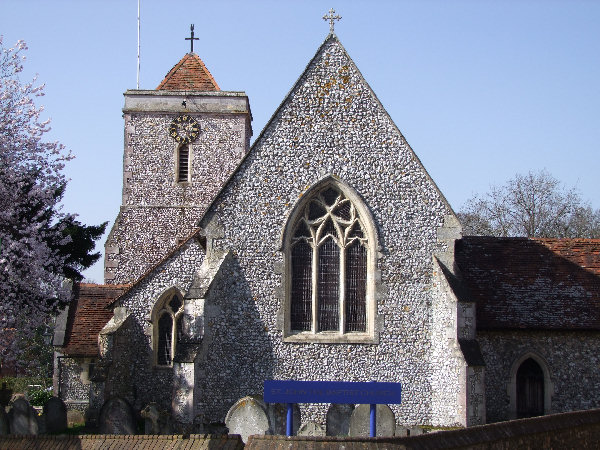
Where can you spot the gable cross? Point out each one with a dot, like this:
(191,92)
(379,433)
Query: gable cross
(192,38)
(331,18)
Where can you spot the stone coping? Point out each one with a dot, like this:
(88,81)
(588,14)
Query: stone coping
(579,429)
(118,442)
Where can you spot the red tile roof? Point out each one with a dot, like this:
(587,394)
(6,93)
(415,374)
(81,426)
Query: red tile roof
(520,283)
(189,74)
(88,313)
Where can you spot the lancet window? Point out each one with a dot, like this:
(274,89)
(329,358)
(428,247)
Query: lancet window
(168,329)
(328,267)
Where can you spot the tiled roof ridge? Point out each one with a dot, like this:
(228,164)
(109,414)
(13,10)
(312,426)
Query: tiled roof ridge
(525,238)
(204,81)
(582,240)
(104,285)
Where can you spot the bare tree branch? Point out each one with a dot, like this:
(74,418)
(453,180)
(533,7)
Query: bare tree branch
(531,205)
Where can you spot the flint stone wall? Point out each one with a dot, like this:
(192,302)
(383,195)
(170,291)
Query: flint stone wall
(157,210)
(572,359)
(72,389)
(332,125)
(132,374)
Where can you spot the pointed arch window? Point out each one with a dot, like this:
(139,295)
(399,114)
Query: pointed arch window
(168,325)
(329,256)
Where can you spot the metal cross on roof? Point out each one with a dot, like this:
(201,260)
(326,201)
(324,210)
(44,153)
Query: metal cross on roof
(331,19)
(192,38)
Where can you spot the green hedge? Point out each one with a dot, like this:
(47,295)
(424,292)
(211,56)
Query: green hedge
(19,384)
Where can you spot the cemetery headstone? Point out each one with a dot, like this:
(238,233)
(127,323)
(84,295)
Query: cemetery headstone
(116,417)
(22,418)
(338,419)
(402,431)
(246,417)
(55,415)
(311,429)
(156,421)
(75,416)
(416,431)
(277,414)
(4,427)
(359,421)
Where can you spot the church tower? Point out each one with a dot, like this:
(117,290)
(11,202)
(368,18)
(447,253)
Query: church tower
(182,142)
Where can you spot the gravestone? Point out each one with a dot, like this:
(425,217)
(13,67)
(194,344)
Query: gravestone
(311,429)
(4,427)
(360,421)
(116,417)
(156,421)
(75,416)
(338,419)
(246,417)
(22,418)
(55,415)
(402,431)
(277,414)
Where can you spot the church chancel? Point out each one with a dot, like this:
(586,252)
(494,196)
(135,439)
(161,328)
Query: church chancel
(323,252)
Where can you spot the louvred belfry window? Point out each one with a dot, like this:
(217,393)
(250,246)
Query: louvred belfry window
(183,163)
(328,267)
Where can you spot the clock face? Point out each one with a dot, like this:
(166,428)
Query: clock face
(184,129)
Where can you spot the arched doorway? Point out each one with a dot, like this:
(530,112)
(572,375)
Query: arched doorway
(530,389)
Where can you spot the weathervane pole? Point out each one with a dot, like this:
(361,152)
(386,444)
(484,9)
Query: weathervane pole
(192,38)
(138,47)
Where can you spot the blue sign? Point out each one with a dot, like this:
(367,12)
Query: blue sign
(290,391)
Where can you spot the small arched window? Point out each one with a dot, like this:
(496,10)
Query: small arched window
(168,329)
(328,253)
(183,163)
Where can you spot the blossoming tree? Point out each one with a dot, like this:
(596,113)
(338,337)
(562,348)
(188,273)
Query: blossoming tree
(40,247)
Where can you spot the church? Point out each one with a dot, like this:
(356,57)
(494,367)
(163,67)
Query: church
(324,251)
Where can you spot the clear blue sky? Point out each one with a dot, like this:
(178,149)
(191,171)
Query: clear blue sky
(480,89)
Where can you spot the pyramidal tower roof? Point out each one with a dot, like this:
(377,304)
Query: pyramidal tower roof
(189,74)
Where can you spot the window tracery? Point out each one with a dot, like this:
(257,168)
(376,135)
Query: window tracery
(168,329)
(328,266)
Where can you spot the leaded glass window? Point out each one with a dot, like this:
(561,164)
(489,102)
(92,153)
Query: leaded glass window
(169,328)
(328,266)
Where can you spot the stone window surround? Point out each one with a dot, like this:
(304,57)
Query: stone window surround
(512,383)
(190,162)
(371,336)
(158,308)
